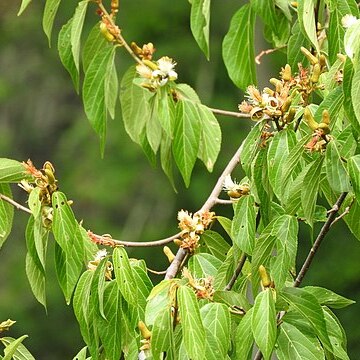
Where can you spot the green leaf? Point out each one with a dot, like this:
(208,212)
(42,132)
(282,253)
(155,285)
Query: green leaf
(11,171)
(243,224)
(354,172)
(216,320)
(124,275)
(134,105)
(24,5)
(355,93)
(210,137)
(294,54)
(162,334)
(192,326)
(165,110)
(186,138)
(93,44)
(215,244)
(51,8)
(76,30)
(35,263)
(12,347)
(81,355)
(249,148)
(279,149)
(109,325)
(6,214)
(263,322)
(232,299)
(348,104)
(21,352)
(308,307)
(335,170)
(296,345)
(166,159)
(65,53)
(69,254)
(328,298)
(200,24)
(202,265)
(352,42)
(111,85)
(153,127)
(306,14)
(94,90)
(238,48)
(310,188)
(244,338)
(285,229)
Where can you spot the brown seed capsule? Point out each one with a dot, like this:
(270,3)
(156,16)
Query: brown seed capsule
(286,74)
(313,59)
(315,74)
(309,119)
(265,280)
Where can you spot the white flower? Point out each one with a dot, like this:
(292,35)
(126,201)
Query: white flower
(144,71)
(166,64)
(101,254)
(348,20)
(229,184)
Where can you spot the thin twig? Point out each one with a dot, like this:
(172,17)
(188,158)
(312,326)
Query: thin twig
(224,202)
(229,113)
(237,272)
(15,204)
(163,272)
(266,52)
(324,230)
(209,203)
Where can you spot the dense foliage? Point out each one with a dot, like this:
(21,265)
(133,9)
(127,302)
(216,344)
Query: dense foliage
(220,296)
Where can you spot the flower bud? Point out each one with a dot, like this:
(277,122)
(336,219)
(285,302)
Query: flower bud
(316,71)
(286,105)
(169,254)
(265,280)
(150,64)
(313,59)
(145,332)
(106,33)
(178,242)
(324,127)
(322,61)
(309,119)
(289,117)
(277,83)
(325,117)
(286,74)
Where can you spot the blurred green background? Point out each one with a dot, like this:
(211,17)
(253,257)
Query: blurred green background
(41,118)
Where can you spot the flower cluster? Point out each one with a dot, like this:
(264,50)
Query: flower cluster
(156,74)
(192,226)
(234,189)
(290,91)
(93,264)
(203,287)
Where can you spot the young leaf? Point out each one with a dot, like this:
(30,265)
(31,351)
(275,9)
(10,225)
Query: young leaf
(295,345)
(244,337)
(109,325)
(124,275)
(6,214)
(134,105)
(76,30)
(354,172)
(243,224)
(192,326)
(309,189)
(162,334)
(24,5)
(81,355)
(186,138)
(21,352)
(263,322)
(200,24)
(210,137)
(238,48)
(11,171)
(335,170)
(12,347)
(65,53)
(308,307)
(216,320)
(307,21)
(51,8)
(328,298)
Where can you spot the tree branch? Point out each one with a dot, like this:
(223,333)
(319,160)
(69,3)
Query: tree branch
(229,113)
(209,203)
(237,272)
(15,204)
